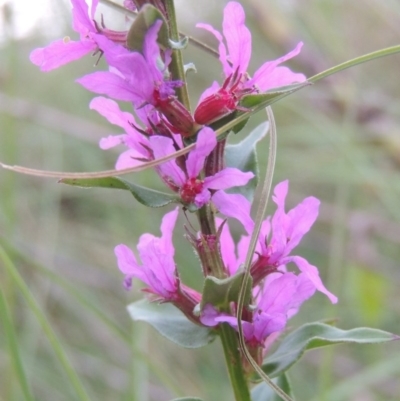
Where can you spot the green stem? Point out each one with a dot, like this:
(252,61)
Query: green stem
(176,66)
(234,363)
(355,61)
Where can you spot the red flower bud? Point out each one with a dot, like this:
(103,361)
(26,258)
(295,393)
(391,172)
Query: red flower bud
(176,114)
(223,102)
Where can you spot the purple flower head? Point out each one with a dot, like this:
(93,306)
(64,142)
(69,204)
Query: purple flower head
(192,189)
(158,269)
(287,231)
(92,39)
(278,300)
(235,56)
(138,78)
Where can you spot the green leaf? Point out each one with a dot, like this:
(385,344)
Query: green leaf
(243,156)
(146,196)
(315,335)
(187,399)
(269,97)
(171,323)
(236,128)
(263,392)
(144,20)
(220,292)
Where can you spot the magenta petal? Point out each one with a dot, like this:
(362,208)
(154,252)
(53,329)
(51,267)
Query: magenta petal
(265,78)
(236,206)
(111,141)
(299,220)
(237,36)
(59,53)
(305,289)
(167,229)
(151,50)
(227,248)
(161,147)
(280,76)
(265,324)
(110,110)
(129,159)
(228,178)
(126,259)
(312,273)
(80,17)
(202,198)
(209,315)
(159,268)
(223,57)
(107,83)
(205,143)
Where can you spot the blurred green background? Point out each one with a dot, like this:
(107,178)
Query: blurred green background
(339,140)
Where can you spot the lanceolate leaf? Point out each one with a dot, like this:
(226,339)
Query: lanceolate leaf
(244,157)
(146,196)
(171,323)
(315,335)
(265,99)
(263,392)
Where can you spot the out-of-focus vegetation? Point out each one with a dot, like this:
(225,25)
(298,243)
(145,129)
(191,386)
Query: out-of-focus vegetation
(339,140)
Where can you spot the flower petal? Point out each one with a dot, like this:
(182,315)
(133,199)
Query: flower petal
(59,53)
(161,147)
(237,36)
(236,206)
(205,143)
(228,178)
(110,84)
(312,273)
(266,77)
(221,47)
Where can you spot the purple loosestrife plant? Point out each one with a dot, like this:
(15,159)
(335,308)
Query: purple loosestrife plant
(247,297)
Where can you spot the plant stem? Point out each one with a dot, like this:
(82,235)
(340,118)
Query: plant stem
(234,363)
(355,61)
(176,66)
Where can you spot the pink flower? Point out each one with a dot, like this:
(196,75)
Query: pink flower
(218,101)
(137,78)
(65,50)
(158,270)
(287,231)
(278,299)
(192,188)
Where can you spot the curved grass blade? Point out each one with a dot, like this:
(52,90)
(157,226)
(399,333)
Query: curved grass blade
(261,209)
(14,353)
(55,343)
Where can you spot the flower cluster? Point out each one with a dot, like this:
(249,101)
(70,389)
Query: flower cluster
(163,125)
